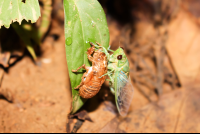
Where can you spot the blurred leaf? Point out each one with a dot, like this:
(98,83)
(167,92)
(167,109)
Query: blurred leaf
(17,10)
(175,112)
(45,18)
(183,47)
(27,34)
(85,22)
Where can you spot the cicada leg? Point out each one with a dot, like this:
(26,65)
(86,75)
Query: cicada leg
(84,75)
(111,79)
(82,82)
(110,49)
(112,90)
(84,79)
(110,72)
(89,52)
(98,44)
(104,50)
(93,45)
(83,66)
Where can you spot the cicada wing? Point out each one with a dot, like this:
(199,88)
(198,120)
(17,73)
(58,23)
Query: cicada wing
(123,93)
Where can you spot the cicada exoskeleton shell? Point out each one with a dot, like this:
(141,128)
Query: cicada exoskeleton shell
(93,78)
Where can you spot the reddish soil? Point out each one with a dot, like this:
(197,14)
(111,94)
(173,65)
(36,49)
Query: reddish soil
(40,91)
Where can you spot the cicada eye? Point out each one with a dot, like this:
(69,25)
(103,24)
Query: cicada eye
(119,57)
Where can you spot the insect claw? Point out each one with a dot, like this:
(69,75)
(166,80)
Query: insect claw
(101,76)
(98,46)
(110,49)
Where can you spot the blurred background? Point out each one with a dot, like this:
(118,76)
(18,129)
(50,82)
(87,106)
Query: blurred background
(161,39)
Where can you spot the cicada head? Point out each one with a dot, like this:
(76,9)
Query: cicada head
(118,57)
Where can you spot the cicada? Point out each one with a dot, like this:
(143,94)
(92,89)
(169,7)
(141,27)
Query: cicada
(92,80)
(120,82)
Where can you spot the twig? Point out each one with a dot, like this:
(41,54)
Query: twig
(77,125)
(160,54)
(138,85)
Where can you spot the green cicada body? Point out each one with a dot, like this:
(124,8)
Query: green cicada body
(120,83)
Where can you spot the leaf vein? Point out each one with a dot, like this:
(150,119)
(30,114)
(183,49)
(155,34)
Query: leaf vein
(82,32)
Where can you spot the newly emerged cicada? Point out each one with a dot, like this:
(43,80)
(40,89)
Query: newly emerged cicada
(120,83)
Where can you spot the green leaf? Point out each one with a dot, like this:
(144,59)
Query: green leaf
(27,34)
(17,10)
(85,22)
